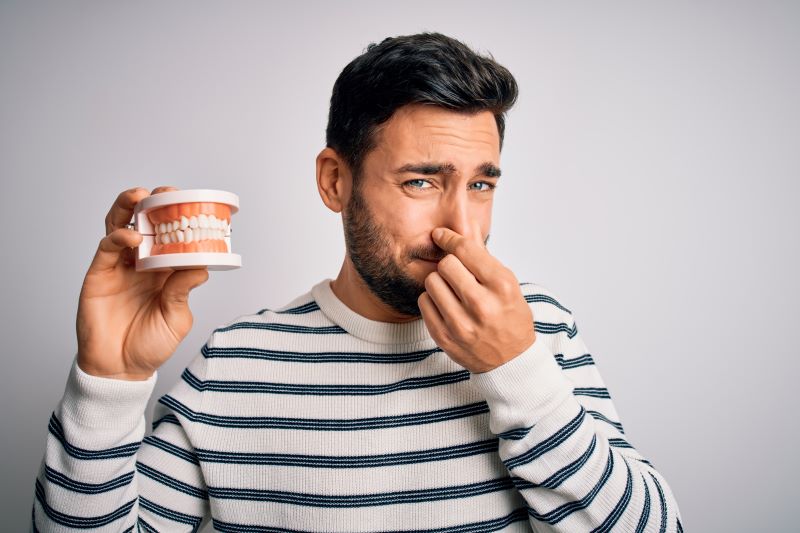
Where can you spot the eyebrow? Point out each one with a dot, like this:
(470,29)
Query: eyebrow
(487,169)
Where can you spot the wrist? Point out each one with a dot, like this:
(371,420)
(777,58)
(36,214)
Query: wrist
(111,373)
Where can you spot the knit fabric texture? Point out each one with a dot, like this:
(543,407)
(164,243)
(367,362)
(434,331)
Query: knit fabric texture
(313,418)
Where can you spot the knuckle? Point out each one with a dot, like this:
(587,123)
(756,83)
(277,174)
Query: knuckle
(505,285)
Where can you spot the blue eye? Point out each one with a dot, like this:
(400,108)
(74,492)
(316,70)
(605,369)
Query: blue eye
(491,186)
(417,180)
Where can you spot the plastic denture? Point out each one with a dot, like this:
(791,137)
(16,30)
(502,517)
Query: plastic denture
(186,229)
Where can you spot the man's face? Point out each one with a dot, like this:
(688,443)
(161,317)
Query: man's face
(431,167)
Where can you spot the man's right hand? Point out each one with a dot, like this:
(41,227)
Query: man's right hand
(129,323)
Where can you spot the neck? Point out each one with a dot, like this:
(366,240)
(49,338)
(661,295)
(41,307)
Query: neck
(351,289)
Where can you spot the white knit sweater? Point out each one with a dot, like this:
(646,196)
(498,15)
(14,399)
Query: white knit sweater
(313,418)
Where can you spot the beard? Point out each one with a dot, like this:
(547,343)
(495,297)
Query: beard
(369,249)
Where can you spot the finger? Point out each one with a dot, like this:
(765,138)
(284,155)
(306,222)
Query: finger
(176,288)
(472,255)
(113,246)
(175,297)
(446,301)
(461,280)
(122,210)
(433,320)
(164,188)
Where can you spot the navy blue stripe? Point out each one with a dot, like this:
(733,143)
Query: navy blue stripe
(145,526)
(323,390)
(562,475)
(600,416)
(622,504)
(486,526)
(548,328)
(62,480)
(169,418)
(680,526)
(581,360)
(80,522)
(561,512)
(171,482)
(594,392)
(646,510)
(549,443)
(56,429)
(363,500)
(323,424)
(619,443)
(544,298)
(170,448)
(352,461)
(298,310)
(288,328)
(169,514)
(515,434)
(663,504)
(317,357)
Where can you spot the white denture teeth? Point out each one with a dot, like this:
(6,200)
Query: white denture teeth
(196,228)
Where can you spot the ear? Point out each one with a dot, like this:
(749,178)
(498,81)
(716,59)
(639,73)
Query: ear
(334,181)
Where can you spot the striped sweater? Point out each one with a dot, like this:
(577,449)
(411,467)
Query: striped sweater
(312,417)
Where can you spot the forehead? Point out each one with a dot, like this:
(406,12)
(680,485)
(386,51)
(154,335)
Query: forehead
(419,129)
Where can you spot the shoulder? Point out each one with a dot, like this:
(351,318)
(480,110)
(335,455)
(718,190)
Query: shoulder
(296,316)
(546,305)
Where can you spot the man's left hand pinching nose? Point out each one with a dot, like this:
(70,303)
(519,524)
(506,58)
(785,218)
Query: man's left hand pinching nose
(473,306)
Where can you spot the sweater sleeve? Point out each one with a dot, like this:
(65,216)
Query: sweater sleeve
(561,439)
(99,473)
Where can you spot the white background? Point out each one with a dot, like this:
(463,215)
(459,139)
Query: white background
(650,179)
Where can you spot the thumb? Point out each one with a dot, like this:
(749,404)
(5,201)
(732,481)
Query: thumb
(175,295)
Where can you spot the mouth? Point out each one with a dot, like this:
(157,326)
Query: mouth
(432,261)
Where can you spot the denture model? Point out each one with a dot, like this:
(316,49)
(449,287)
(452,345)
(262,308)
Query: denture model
(186,229)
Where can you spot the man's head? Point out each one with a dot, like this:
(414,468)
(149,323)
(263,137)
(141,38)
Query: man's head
(414,135)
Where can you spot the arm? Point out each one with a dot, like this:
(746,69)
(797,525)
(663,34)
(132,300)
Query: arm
(561,437)
(99,472)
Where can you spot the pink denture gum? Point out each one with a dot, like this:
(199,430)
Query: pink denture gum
(186,229)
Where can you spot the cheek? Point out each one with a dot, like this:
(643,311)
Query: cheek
(409,225)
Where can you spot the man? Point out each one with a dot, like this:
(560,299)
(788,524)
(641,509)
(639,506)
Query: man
(424,389)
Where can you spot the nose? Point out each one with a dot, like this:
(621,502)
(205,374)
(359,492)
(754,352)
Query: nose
(456,213)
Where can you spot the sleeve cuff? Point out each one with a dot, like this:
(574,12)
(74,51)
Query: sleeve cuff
(522,391)
(97,402)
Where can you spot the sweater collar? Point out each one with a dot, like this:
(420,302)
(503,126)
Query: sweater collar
(362,327)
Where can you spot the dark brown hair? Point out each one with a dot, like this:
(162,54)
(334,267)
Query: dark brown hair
(428,68)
